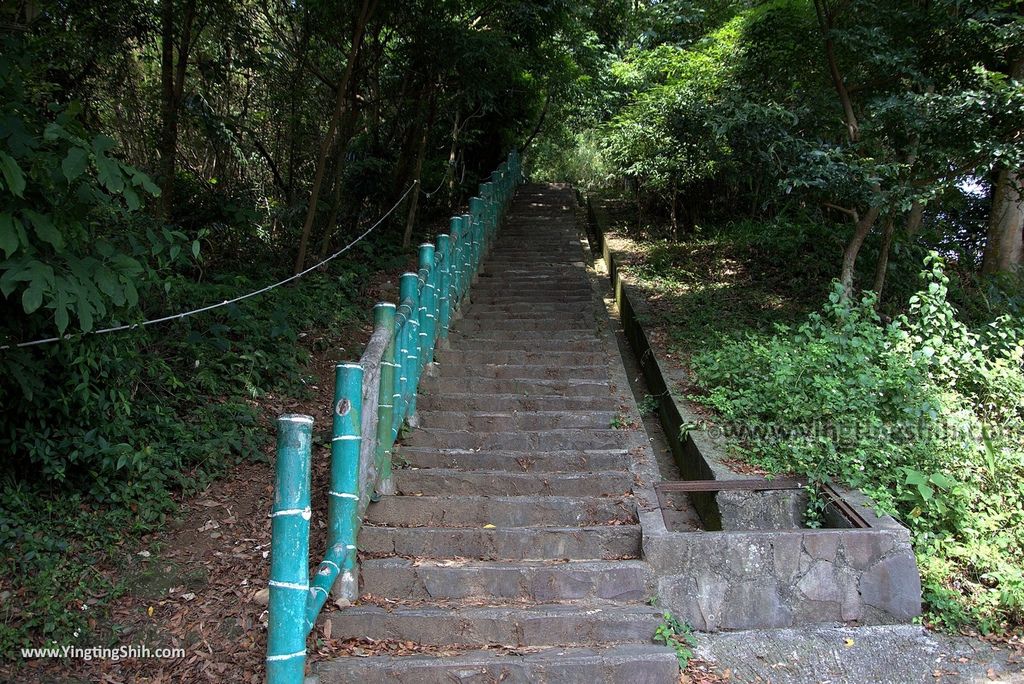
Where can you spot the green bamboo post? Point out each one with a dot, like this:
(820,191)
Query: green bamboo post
(384,317)
(444,289)
(455,229)
(487,195)
(476,210)
(409,285)
(343,499)
(398,398)
(289,552)
(467,255)
(428,302)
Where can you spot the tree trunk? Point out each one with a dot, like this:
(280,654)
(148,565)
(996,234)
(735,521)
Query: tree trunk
(172,85)
(328,139)
(540,124)
(882,265)
(1006,218)
(861,229)
(414,203)
(914,219)
(1003,247)
(825,20)
(348,130)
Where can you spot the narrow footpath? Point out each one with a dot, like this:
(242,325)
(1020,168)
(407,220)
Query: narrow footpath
(513,548)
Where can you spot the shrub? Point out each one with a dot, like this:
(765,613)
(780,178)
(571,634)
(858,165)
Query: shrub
(923,414)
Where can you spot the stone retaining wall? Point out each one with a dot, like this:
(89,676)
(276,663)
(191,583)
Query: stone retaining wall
(763,570)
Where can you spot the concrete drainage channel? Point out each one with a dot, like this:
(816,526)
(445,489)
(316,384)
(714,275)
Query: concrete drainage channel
(752,565)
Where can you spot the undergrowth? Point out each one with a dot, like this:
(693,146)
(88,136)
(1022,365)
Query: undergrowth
(923,413)
(107,433)
(678,636)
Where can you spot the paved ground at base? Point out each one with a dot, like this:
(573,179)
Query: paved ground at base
(858,655)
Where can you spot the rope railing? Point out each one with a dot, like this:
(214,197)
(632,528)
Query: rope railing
(373,399)
(226,302)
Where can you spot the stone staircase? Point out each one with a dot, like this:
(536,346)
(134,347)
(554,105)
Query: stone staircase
(512,552)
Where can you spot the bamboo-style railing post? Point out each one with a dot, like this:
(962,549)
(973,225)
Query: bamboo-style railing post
(384,316)
(467,255)
(409,284)
(444,285)
(289,551)
(428,303)
(476,211)
(343,497)
(490,212)
(455,291)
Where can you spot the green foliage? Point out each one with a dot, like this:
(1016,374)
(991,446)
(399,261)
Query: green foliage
(677,635)
(923,414)
(648,405)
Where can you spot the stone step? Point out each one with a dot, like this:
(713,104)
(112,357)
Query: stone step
(635,664)
(577,315)
(546,285)
(454,357)
(500,327)
(494,421)
(530,268)
(476,333)
(500,511)
(445,481)
(527,271)
(587,624)
(546,440)
(567,461)
(541,295)
(627,580)
(604,542)
(507,371)
(530,299)
(517,309)
(513,402)
(587,344)
(537,296)
(571,388)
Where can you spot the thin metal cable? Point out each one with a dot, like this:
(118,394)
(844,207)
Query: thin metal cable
(435,190)
(210,307)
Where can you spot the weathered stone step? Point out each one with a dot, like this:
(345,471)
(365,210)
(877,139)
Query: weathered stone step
(525,580)
(604,542)
(527,270)
(495,421)
(536,297)
(589,344)
(518,309)
(635,664)
(513,402)
(546,440)
(530,267)
(524,273)
(444,481)
(544,625)
(500,511)
(486,333)
(577,315)
(508,371)
(582,324)
(571,388)
(502,284)
(567,461)
(457,357)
